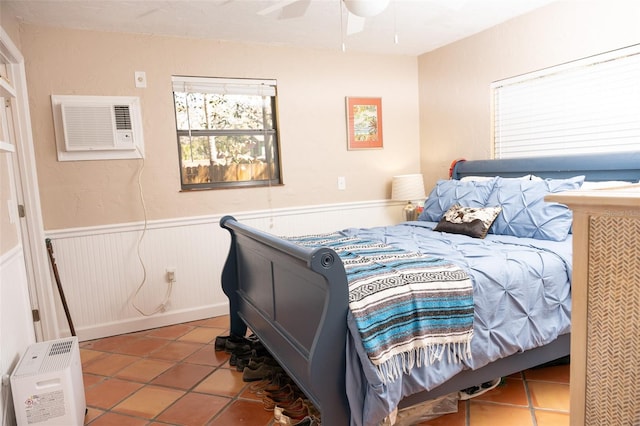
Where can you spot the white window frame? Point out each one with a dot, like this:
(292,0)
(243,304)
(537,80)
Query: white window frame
(267,89)
(587,106)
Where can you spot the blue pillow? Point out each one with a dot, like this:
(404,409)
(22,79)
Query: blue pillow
(524,211)
(446,193)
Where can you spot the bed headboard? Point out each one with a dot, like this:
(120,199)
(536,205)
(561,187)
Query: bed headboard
(595,167)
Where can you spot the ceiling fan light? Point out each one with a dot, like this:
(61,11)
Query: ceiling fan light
(366,8)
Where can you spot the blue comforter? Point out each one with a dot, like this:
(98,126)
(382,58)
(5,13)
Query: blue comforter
(522,298)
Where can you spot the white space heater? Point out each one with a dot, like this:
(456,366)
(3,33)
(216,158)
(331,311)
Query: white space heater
(47,384)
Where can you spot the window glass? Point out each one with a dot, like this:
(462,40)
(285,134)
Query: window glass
(227,133)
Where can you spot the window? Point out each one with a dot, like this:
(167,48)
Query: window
(227,132)
(581,107)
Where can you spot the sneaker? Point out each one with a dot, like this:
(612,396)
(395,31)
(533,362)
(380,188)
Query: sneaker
(474,391)
(235,343)
(221,342)
(260,373)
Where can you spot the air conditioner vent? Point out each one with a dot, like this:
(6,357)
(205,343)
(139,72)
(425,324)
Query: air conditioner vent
(97,127)
(123,117)
(87,127)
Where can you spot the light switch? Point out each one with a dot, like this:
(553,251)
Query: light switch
(342,183)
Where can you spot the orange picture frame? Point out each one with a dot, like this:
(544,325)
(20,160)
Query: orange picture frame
(364,123)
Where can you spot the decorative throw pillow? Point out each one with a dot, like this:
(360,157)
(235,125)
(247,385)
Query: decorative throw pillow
(525,212)
(471,221)
(446,193)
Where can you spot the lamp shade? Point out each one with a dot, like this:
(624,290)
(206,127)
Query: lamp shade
(407,187)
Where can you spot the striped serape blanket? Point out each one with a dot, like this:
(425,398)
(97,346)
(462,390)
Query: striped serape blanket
(409,308)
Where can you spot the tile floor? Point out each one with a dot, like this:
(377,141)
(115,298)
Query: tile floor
(173,376)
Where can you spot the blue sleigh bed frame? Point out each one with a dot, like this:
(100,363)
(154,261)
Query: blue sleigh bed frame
(295,299)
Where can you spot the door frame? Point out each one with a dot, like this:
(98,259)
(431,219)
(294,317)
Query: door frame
(28,194)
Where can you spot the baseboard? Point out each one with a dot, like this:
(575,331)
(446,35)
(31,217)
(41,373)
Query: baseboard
(132,325)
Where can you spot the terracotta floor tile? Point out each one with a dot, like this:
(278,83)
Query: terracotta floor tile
(171,332)
(201,335)
(92,414)
(176,351)
(551,418)
(144,370)
(453,419)
(245,413)
(141,346)
(110,392)
(216,322)
(553,396)
(223,382)
(183,376)
(558,374)
(110,344)
(109,364)
(208,356)
(114,419)
(488,414)
(91,379)
(510,391)
(172,359)
(88,355)
(194,409)
(148,402)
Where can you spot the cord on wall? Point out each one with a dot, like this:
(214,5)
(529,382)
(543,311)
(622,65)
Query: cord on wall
(163,305)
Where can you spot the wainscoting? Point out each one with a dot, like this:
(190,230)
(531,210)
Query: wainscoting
(100,270)
(16,326)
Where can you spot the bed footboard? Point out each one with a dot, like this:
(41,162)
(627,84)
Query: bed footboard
(295,299)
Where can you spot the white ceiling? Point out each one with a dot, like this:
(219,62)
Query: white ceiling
(420,25)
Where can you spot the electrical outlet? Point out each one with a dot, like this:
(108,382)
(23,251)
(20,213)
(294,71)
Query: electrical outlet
(171,274)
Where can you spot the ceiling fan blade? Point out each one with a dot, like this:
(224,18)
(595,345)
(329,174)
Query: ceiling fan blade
(295,9)
(276,6)
(355,24)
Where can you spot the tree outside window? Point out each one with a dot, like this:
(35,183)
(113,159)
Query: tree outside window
(227,134)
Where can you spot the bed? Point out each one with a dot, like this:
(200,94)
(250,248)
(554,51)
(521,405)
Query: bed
(295,298)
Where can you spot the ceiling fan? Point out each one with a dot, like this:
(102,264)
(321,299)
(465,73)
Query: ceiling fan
(357,10)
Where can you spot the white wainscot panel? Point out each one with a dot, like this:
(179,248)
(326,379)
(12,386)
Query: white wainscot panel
(100,270)
(16,325)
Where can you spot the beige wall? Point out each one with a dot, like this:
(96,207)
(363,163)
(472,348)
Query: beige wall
(455,107)
(312,86)
(436,108)
(9,24)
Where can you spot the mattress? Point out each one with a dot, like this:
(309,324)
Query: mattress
(522,299)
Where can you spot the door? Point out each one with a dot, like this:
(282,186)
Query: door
(20,209)
(19,300)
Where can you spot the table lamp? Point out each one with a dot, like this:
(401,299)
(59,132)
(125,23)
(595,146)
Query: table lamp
(408,188)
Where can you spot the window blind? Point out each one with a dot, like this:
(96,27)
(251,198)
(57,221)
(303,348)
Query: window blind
(224,86)
(581,107)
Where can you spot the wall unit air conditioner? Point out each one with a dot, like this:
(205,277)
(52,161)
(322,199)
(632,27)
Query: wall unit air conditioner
(97,127)
(47,384)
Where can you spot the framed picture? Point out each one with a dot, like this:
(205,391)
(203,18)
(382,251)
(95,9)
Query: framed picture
(364,123)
